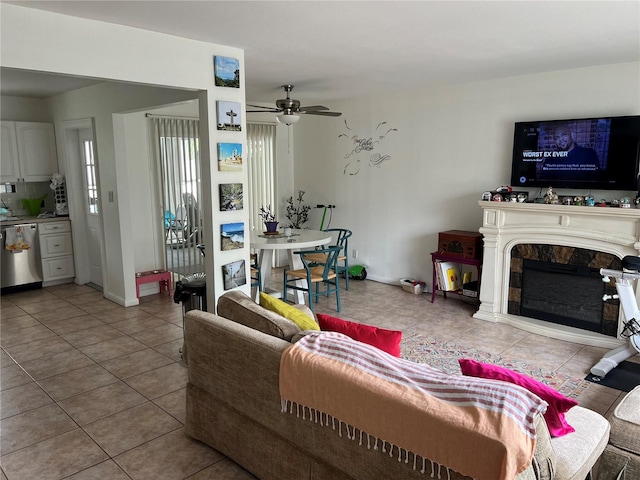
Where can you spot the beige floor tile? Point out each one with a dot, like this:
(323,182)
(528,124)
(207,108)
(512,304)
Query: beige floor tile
(225,469)
(130,428)
(10,310)
(138,324)
(108,470)
(546,353)
(160,381)
(13,376)
(19,321)
(173,456)
(29,296)
(77,381)
(115,348)
(64,312)
(113,316)
(174,404)
(55,458)
(73,324)
(171,349)
(56,364)
(5,359)
(159,335)
(34,426)
(90,336)
(45,306)
(68,290)
(136,363)
(22,399)
(91,297)
(20,336)
(38,349)
(101,403)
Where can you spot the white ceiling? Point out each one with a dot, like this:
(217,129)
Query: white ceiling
(339,49)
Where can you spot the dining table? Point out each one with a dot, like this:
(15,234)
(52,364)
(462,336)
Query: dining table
(267,244)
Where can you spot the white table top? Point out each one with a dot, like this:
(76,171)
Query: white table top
(302,239)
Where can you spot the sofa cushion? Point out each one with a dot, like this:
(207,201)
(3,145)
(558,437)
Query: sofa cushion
(386,340)
(558,403)
(303,321)
(240,308)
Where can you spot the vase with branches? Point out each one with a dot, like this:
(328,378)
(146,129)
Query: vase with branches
(297,211)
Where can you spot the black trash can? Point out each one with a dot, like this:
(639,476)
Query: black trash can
(191,292)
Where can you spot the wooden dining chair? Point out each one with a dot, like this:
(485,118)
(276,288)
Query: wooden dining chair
(315,274)
(342,240)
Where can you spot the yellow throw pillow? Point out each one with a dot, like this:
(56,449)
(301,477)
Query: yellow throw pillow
(287,311)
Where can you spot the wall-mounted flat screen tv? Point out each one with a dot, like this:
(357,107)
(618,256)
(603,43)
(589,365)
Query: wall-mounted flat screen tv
(588,153)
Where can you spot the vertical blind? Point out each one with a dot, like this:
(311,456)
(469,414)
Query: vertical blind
(177,146)
(261,167)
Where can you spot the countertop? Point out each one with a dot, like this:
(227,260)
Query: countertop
(31,219)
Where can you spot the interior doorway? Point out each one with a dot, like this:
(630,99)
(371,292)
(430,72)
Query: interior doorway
(83,186)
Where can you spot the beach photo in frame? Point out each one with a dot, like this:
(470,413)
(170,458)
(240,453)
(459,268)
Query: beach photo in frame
(226,71)
(230,157)
(229,116)
(234,274)
(231,197)
(232,236)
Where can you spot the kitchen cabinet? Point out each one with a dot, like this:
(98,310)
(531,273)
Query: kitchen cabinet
(28,152)
(56,252)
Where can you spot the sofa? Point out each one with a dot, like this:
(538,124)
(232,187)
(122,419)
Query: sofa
(233,404)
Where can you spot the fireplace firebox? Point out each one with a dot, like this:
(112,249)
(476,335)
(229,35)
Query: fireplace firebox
(564,294)
(562,285)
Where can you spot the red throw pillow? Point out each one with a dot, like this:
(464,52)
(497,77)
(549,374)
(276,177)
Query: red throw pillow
(558,403)
(385,340)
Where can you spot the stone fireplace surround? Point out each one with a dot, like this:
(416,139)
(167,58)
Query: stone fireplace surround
(609,230)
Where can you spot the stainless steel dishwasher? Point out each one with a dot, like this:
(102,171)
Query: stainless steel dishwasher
(21,267)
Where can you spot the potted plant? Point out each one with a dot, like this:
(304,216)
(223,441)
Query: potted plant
(298,212)
(269,218)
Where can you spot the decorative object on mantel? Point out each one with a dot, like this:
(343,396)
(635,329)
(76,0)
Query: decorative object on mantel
(551,197)
(297,213)
(269,219)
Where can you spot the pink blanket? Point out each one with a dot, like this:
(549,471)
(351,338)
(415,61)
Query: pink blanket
(480,428)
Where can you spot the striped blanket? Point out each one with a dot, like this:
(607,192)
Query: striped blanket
(480,428)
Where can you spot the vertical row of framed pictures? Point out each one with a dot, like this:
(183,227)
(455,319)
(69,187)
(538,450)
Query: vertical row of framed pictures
(230,159)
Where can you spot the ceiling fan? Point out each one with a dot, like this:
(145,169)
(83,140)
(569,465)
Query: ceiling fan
(289,109)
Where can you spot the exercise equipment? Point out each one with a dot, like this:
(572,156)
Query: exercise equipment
(631,328)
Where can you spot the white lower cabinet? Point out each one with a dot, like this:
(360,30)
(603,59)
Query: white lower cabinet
(56,251)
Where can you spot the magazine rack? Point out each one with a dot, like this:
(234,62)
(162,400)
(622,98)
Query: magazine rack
(445,257)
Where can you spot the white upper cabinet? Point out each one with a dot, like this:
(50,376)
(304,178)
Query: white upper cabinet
(28,152)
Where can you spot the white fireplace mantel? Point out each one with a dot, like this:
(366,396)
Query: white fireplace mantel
(506,224)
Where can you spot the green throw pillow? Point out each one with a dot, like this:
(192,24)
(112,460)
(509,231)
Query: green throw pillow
(287,311)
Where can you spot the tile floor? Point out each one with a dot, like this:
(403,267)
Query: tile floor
(92,390)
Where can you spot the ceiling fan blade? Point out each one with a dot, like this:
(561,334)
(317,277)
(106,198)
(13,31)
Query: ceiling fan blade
(273,110)
(266,109)
(326,114)
(314,107)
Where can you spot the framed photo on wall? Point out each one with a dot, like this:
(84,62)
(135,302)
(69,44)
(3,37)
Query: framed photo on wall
(226,71)
(229,157)
(229,116)
(234,274)
(231,197)
(232,235)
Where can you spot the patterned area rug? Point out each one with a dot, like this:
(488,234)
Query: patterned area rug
(421,349)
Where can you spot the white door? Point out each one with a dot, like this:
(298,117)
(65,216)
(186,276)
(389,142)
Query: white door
(92,212)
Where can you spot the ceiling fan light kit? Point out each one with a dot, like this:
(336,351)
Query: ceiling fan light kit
(288,118)
(288,110)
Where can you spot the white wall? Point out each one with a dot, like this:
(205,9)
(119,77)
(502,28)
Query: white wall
(23,109)
(42,41)
(451,145)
